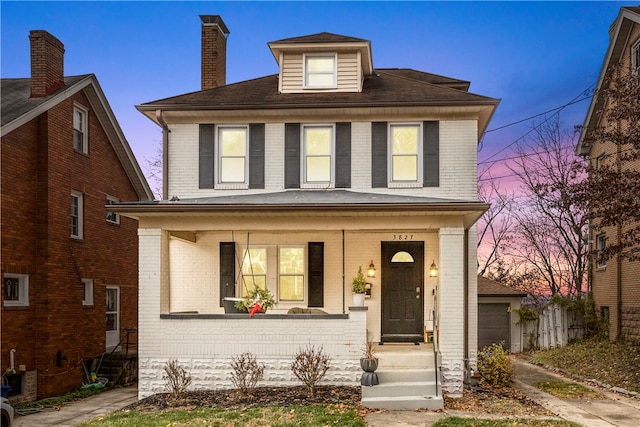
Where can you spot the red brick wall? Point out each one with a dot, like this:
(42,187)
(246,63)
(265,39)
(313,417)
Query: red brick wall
(40,169)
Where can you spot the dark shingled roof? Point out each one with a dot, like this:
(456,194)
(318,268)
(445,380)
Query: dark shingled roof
(491,288)
(15,95)
(387,87)
(320,38)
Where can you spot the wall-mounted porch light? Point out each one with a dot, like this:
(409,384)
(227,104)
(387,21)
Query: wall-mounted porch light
(371,271)
(433,270)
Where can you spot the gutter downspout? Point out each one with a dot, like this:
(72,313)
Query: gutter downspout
(343,284)
(165,155)
(466,295)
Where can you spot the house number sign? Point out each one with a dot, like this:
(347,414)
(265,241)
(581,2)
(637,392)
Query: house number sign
(403,237)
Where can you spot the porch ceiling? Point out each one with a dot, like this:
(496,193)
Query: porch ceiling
(307,203)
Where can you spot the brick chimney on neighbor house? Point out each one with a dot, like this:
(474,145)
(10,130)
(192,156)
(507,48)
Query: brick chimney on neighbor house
(47,63)
(214,51)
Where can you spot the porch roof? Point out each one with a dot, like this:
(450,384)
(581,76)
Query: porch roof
(305,200)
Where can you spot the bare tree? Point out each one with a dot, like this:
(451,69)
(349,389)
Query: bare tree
(153,169)
(614,185)
(551,219)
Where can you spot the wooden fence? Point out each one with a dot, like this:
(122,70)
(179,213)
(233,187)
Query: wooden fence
(556,327)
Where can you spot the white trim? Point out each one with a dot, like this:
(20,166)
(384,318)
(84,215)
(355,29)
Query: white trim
(80,197)
(218,153)
(23,290)
(600,263)
(84,127)
(305,83)
(305,278)
(87,285)
(303,157)
(419,163)
(115,216)
(635,58)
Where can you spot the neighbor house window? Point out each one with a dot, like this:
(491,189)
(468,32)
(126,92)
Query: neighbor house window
(320,71)
(600,160)
(291,262)
(317,154)
(601,244)
(76,214)
(232,154)
(635,58)
(405,156)
(87,292)
(80,140)
(16,289)
(112,217)
(254,269)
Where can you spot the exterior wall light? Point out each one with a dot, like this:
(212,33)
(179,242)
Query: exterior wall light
(371,271)
(433,270)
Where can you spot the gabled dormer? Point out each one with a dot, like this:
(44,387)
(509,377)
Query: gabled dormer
(322,62)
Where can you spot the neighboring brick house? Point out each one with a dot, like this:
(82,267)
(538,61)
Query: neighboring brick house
(69,266)
(615,283)
(294,180)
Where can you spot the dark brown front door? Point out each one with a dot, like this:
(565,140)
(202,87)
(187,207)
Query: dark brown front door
(402,291)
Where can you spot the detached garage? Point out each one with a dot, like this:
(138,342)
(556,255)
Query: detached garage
(497,321)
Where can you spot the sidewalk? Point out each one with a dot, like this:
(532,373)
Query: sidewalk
(80,410)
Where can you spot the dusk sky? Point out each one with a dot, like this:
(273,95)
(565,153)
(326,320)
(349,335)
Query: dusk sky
(535,56)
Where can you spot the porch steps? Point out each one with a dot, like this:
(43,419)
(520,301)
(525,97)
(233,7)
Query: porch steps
(407,379)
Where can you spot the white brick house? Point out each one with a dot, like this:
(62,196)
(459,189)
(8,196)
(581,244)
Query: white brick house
(329,165)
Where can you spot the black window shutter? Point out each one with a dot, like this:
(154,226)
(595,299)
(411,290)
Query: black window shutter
(431,154)
(316,274)
(256,155)
(227,270)
(378,154)
(292,155)
(343,155)
(206,158)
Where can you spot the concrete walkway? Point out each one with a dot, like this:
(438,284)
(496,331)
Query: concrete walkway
(613,410)
(81,410)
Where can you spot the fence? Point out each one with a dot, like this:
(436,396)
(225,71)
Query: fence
(556,327)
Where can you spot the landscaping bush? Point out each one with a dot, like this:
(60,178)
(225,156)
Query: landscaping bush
(176,378)
(246,372)
(494,365)
(310,366)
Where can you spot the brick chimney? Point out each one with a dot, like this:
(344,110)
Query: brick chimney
(47,63)
(214,51)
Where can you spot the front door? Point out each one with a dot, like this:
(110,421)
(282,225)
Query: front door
(402,291)
(113,317)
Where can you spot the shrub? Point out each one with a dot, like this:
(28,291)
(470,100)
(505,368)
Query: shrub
(176,378)
(246,372)
(494,365)
(310,366)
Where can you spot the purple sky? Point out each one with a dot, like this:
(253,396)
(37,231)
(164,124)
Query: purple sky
(535,56)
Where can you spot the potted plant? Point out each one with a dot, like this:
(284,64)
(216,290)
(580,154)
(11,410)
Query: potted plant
(261,296)
(369,364)
(359,288)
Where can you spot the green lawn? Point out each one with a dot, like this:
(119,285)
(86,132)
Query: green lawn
(475,422)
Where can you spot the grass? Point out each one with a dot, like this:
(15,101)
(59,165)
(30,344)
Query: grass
(567,390)
(54,402)
(475,422)
(316,415)
(616,364)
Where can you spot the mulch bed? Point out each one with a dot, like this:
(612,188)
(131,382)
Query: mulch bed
(491,401)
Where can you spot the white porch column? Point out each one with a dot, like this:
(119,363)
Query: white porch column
(152,255)
(451,309)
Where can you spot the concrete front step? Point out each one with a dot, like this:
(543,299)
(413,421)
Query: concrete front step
(400,389)
(403,402)
(399,358)
(403,375)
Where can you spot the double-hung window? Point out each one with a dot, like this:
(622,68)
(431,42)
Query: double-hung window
(405,153)
(291,260)
(232,154)
(320,71)
(80,140)
(16,289)
(318,149)
(76,215)
(635,58)
(112,217)
(87,291)
(254,269)
(601,244)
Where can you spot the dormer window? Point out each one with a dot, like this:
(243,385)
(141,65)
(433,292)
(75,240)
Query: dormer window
(320,71)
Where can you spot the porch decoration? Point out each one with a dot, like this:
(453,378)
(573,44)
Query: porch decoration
(369,364)
(359,288)
(258,300)
(433,270)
